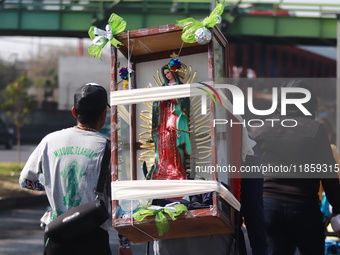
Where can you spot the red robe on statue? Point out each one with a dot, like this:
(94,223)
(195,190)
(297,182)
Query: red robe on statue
(170,166)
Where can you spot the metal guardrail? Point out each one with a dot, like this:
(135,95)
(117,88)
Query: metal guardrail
(55,5)
(95,5)
(74,17)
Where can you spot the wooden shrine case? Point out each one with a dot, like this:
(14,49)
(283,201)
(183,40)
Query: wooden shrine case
(146,50)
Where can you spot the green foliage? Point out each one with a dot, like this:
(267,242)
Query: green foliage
(43,69)
(16,101)
(8,73)
(10,171)
(9,181)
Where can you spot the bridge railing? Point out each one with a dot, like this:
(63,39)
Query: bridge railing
(250,7)
(55,5)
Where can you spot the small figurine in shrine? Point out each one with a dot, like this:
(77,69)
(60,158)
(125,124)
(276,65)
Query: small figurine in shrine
(124,75)
(170,130)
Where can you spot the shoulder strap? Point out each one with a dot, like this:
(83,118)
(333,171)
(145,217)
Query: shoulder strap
(104,168)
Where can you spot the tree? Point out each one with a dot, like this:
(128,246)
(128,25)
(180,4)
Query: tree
(9,72)
(44,66)
(18,104)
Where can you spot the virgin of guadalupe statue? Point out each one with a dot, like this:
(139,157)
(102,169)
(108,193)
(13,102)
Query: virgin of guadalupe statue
(170,133)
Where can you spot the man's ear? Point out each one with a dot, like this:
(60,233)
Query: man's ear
(103,115)
(73,111)
(102,118)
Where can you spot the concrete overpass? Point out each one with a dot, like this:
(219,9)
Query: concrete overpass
(275,21)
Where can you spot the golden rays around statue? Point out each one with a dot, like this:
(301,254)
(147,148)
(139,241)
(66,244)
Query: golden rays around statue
(198,126)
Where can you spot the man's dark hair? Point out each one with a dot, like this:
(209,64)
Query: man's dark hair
(292,110)
(90,101)
(88,117)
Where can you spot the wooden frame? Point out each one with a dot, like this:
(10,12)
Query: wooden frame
(153,44)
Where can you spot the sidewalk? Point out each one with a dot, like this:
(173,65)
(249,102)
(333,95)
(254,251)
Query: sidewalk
(20,231)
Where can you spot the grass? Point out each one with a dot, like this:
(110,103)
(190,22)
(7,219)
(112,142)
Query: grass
(9,181)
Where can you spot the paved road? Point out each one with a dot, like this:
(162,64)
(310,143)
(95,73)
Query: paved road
(20,233)
(13,154)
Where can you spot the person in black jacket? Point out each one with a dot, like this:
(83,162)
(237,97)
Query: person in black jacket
(302,156)
(252,209)
(251,213)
